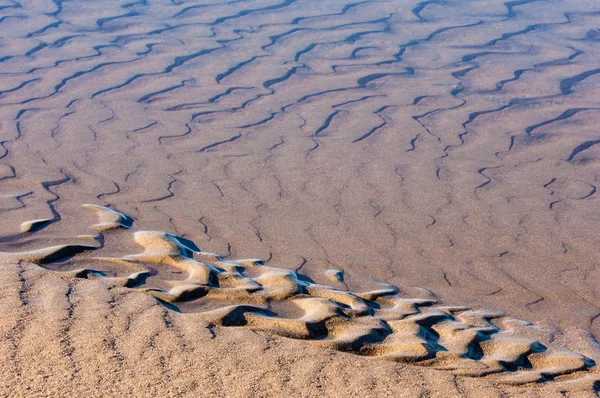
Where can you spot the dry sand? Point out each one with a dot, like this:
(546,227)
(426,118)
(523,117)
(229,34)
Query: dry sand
(417,178)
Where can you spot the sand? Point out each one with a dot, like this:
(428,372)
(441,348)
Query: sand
(413,185)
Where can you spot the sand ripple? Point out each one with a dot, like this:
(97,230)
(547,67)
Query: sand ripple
(380,323)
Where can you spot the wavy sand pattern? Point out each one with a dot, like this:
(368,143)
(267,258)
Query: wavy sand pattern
(379,323)
(445,144)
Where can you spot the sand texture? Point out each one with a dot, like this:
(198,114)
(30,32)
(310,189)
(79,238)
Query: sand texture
(196,292)
(414,182)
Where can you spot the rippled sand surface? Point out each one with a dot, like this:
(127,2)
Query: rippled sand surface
(418,178)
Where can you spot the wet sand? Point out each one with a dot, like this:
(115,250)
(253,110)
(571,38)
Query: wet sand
(418,178)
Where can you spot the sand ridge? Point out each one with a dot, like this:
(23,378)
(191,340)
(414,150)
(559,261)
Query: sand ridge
(379,323)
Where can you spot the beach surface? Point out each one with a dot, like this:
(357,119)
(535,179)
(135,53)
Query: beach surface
(300,198)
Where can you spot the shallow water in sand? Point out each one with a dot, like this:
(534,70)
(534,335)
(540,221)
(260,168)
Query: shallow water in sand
(449,145)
